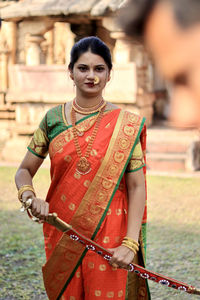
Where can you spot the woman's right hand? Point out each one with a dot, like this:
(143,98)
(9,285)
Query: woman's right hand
(39,208)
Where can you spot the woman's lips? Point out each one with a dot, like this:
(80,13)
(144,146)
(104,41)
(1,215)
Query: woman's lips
(90,84)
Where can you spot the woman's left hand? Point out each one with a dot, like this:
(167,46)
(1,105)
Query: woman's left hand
(122,257)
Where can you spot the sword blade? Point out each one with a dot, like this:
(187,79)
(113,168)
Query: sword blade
(54,220)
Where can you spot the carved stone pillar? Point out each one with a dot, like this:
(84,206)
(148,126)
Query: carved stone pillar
(63,42)
(4,54)
(48,45)
(122,52)
(145,88)
(34,55)
(30,35)
(145,77)
(70,42)
(9,31)
(60,40)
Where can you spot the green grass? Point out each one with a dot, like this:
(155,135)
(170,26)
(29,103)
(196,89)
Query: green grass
(173,233)
(173,237)
(22,250)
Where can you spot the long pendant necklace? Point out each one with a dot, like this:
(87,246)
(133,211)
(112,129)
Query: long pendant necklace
(83,166)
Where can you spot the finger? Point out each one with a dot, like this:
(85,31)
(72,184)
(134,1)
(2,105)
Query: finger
(123,266)
(126,261)
(37,211)
(114,265)
(40,221)
(112,260)
(114,268)
(34,207)
(42,211)
(121,260)
(46,212)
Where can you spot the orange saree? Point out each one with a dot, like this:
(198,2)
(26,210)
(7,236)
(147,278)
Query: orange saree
(95,204)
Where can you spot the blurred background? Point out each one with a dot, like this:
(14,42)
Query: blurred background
(35,42)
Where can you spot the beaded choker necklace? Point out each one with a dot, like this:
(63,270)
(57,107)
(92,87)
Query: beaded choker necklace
(83,166)
(88,110)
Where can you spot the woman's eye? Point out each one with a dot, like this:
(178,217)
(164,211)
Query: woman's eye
(82,68)
(100,69)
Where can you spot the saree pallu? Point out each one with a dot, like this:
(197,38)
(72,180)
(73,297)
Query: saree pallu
(94,201)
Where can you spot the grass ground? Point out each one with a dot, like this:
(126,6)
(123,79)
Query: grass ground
(173,237)
(174,233)
(21,251)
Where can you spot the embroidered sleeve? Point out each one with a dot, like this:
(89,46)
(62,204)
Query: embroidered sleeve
(137,160)
(39,144)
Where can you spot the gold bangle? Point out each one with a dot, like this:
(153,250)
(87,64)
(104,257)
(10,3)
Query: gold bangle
(126,238)
(131,246)
(132,249)
(131,243)
(24,188)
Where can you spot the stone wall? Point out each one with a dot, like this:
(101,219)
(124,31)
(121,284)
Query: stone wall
(34,55)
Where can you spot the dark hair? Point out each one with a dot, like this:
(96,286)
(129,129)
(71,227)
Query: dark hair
(133,17)
(187,12)
(92,44)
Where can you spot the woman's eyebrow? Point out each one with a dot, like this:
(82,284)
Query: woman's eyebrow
(82,65)
(85,65)
(100,65)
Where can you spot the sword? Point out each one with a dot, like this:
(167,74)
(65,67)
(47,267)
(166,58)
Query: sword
(90,245)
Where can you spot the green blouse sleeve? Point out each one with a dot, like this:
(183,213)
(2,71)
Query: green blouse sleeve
(137,160)
(39,144)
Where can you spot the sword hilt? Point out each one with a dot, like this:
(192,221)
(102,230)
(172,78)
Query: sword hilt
(193,291)
(53,219)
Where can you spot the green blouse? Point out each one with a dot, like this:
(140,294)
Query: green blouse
(54,123)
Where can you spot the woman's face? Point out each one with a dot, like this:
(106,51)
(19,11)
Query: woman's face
(86,69)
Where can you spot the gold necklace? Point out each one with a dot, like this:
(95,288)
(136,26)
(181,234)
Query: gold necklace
(80,130)
(83,166)
(88,110)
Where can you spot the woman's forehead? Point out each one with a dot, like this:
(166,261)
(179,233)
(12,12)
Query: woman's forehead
(90,58)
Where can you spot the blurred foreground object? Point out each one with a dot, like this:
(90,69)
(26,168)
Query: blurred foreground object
(170,29)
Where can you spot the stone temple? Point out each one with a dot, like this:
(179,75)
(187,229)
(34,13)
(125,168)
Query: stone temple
(35,42)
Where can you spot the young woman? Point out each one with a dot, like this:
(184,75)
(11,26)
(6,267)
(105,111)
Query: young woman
(97,185)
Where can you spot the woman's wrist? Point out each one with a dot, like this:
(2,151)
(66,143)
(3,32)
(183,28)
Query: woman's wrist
(134,235)
(27,195)
(130,243)
(25,192)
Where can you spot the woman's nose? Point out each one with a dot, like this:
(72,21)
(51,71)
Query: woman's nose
(91,74)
